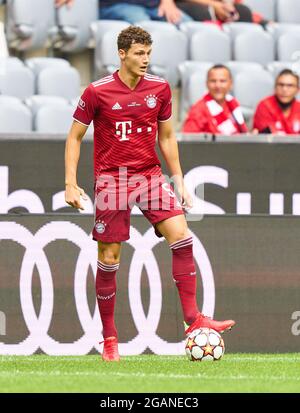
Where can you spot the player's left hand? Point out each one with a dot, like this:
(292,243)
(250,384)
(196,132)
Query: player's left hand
(169,10)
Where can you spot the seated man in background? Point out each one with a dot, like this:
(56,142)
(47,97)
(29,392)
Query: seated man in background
(217,112)
(280,113)
(134,11)
(222,10)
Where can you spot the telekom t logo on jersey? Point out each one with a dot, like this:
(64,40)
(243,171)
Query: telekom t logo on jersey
(124,129)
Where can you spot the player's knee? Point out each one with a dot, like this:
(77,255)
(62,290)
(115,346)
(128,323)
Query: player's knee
(179,236)
(109,258)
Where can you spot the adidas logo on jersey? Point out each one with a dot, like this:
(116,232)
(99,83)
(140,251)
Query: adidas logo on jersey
(117,106)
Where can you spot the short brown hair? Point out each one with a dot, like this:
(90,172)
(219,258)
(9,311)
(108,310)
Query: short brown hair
(219,66)
(132,35)
(288,72)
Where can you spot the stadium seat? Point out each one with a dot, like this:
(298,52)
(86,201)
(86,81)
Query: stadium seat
(234,29)
(210,46)
(288,46)
(74,25)
(9,100)
(238,67)
(265,7)
(196,87)
(63,81)
(36,102)
(171,48)
(151,25)
(189,28)
(277,29)
(17,81)
(15,117)
(105,34)
(29,23)
(276,67)
(11,62)
(186,69)
(53,119)
(288,11)
(36,64)
(254,46)
(252,86)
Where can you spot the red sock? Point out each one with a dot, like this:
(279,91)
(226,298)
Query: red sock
(184,274)
(106,296)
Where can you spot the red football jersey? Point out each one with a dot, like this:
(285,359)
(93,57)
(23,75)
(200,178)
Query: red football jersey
(125,121)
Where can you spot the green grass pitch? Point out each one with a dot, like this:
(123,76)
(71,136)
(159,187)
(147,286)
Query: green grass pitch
(150,374)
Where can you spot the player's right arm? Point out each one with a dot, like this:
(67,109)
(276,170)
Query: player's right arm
(72,154)
(83,116)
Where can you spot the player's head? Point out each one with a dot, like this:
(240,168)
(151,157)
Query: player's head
(219,82)
(134,45)
(286,86)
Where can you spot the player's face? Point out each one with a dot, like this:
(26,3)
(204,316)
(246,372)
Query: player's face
(219,83)
(286,88)
(136,59)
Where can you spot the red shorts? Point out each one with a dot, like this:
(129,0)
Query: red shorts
(113,203)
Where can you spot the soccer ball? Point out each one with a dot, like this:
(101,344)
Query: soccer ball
(204,344)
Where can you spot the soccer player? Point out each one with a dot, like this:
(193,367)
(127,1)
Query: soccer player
(129,109)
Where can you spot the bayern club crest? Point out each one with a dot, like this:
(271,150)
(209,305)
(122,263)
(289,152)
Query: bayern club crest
(100,227)
(151,101)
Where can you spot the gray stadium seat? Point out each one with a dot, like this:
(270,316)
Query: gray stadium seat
(186,70)
(276,67)
(151,25)
(254,46)
(196,87)
(288,11)
(238,67)
(14,117)
(9,100)
(288,48)
(51,119)
(36,102)
(17,81)
(36,64)
(252,86)
(74,31)
(63,81)
(29,23)
(277,29)
(264,7)
(11,62)
(234,29)
(105,33)
(210,46)
(189,28)
(169,49)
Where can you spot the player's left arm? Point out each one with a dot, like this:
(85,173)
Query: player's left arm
(169,148)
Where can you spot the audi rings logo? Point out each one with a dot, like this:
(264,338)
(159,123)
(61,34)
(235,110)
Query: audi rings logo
(146,324)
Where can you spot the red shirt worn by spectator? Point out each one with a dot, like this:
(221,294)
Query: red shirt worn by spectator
(207,116)
(269,115)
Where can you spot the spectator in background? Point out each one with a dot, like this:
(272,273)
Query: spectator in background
(217,112)
(280,113)
(222,11)
(134,11)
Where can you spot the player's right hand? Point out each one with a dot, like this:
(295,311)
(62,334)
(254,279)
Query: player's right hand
(73,194)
